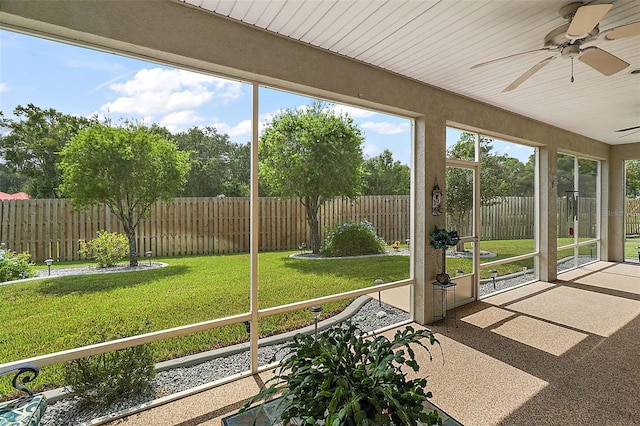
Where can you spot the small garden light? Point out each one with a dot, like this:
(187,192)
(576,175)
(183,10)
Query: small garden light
(148,254)
(49,262)
(493,274)
(638,250)
(316,310)
(379,282)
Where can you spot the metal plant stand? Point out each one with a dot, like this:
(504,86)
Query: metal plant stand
(443,289)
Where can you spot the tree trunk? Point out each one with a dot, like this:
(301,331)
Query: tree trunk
(133,247)
(312,207)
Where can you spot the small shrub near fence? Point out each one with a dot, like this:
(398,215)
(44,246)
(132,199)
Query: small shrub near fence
(106,249)
(14,266)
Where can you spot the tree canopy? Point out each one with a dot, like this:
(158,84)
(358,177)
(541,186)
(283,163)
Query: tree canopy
(499,176)
(383,176)
(127,168)
(218,166)
(313,154)
(31,147)
(633,178)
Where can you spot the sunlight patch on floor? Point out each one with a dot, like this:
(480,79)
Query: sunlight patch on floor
(487,317)
(550,338)
(597,313)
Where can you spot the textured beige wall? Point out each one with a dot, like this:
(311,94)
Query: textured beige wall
(173,33)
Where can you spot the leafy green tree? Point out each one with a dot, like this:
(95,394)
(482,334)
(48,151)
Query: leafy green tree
(10,181)
(127,168)
(383,176)
(497,175)
(218,166)
(633,178)
(31,145)
(312,154)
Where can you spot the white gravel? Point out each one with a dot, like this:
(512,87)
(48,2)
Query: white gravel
(66,412)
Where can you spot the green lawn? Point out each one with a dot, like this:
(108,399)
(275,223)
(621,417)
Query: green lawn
(630,247)
(51,315)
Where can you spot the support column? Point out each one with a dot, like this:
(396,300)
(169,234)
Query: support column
(429,164)
(548,208)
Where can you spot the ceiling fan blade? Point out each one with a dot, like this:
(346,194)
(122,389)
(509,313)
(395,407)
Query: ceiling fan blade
(628,128)
(602,61)
(623,31)
(586,19)
(510,56)
(524,77)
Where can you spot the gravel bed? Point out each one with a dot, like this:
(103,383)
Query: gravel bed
(66,412)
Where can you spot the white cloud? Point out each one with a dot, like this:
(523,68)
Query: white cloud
(385,128)
(4,87)
(157,91)
(353,111)
(369,151)
(243,128)
(180,120)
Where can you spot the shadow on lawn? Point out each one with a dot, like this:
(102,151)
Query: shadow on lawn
(387,268)
(94,283)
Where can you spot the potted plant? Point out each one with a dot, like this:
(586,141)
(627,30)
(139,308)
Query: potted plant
(441,239)
(342,377)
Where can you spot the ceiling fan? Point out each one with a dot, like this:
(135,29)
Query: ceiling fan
(567,41)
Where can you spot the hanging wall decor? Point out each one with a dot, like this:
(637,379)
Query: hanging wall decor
(436,208)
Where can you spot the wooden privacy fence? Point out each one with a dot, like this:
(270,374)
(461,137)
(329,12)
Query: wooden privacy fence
(51,229)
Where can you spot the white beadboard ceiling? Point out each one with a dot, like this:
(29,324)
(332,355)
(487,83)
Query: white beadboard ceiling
(437,41)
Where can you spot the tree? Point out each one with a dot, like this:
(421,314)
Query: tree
(633,178)
(10,181)
(497,175)
(127,168)
(383,176)
(33,143)
(312,154)
(218,166)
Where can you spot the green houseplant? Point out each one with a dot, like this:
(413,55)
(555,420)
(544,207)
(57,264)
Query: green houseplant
(343,378)
(441,239)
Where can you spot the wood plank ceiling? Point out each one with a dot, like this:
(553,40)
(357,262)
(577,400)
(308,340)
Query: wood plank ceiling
(437,41)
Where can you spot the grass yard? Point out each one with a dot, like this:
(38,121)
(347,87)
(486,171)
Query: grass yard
(630,247)
(51,315)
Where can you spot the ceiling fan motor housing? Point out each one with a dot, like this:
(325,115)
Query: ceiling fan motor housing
(571,51)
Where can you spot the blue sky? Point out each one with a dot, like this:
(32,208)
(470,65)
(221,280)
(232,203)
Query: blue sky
(85,82)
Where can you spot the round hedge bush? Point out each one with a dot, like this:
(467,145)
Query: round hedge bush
(352,239)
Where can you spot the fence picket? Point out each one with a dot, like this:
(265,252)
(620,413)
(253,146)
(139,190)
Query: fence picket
(50,228)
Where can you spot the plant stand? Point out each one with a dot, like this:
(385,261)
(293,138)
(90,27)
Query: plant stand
(442,290)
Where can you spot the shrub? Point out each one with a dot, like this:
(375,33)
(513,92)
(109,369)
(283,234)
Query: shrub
(106,378)
(344,378)
(352,239)
(14,266)
(106,249)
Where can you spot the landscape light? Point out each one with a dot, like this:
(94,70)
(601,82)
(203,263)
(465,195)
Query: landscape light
(49,262)
(493,274)
(316,310)
(379,282)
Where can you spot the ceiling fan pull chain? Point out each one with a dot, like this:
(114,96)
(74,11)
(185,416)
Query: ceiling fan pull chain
(572,79)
